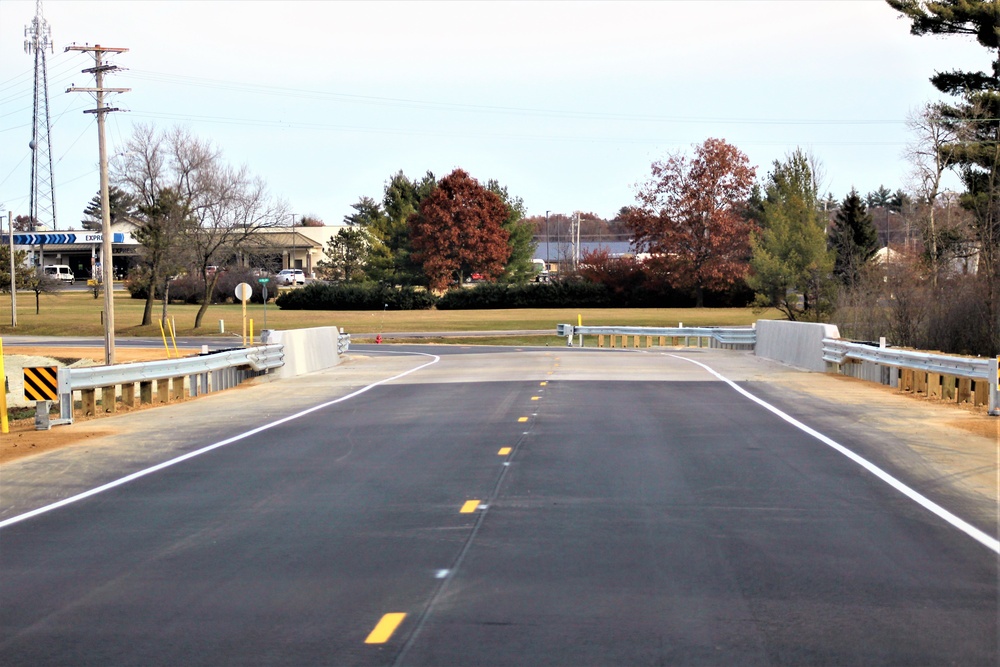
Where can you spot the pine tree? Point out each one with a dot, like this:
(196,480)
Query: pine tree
(853,238)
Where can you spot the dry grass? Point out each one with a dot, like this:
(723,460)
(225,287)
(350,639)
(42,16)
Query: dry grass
(79,314)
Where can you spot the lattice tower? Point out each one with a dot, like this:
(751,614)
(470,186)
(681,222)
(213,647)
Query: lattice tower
(38,41)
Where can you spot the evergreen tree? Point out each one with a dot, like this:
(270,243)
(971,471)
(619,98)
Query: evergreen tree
(121,204)
(791,265)
(853,238)
(879,198)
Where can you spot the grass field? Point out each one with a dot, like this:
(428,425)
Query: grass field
(79,314)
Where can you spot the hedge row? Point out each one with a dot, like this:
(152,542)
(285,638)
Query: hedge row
(492,296)
(336,296)
(190,288)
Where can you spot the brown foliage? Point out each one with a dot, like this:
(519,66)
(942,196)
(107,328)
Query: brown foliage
(690,217)
(459,231)
(620,274)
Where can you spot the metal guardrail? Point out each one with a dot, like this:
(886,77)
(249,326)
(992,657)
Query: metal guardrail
(221,367)
(836,351)
(727,337)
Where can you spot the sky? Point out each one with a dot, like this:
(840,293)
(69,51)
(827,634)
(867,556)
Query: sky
(566,104)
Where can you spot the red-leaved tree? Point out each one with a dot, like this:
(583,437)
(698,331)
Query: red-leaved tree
(690,218)
(458,231)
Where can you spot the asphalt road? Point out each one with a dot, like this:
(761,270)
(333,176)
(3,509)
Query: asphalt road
(517,508)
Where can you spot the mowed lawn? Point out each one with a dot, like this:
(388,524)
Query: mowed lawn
(79,314)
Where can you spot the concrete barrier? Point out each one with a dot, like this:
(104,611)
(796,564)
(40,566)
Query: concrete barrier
(306,350)
(798,344)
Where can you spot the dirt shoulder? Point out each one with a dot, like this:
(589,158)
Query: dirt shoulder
(23,440)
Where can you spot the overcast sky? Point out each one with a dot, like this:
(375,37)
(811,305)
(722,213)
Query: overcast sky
(565,103)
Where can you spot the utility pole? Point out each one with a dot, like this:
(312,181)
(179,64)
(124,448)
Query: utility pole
(13,282)
(106,259)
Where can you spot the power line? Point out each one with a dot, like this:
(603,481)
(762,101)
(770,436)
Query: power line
(302,93)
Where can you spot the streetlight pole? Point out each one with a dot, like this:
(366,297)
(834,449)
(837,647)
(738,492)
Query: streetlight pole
(291,260)
(547,260)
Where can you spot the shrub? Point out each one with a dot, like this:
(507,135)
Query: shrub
(342,296)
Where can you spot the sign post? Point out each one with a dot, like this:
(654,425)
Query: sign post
(243,292)
(263,288)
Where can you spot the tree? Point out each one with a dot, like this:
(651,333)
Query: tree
(976,117)
(520,232)
(158,225)
(22,272)
(690,218)
(386,223)
(227,206)
(459,230)
(40,283)
(24,223)
(931,154)
(348,254)
(853,239)
(122,205)
(880,198)
(791,263)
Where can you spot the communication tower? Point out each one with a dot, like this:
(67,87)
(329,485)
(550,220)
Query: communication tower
(38,41)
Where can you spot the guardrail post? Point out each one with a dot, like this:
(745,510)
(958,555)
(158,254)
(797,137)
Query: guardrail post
(88,402)
(933,385)
(177,385)
(128,394)
(994,407)
(948,383)
(163,391)
(42,415)
(146,392)
(964,390)
(109,399)
(920,382)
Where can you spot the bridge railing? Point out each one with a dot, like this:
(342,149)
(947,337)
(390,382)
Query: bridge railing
(205,373)
(949,377)
(732,338)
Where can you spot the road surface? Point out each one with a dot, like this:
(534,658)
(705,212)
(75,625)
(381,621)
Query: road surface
(494,507)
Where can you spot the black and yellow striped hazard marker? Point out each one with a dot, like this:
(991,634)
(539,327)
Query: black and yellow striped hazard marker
(41,383)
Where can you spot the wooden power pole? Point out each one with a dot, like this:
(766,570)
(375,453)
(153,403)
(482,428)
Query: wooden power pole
(98,70)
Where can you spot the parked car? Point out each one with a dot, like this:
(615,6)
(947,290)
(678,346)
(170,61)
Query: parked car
(290,277)
(61,272)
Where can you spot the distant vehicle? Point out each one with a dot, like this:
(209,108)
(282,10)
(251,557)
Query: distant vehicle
(475,278)
(290,277)
(61,272)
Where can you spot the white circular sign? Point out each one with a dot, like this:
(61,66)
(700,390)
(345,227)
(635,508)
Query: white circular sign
(243,291)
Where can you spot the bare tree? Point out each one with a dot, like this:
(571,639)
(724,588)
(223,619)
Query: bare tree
(233,209)
(931,153)
(195,205)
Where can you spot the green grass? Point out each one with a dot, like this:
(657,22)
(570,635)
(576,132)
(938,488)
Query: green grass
(79,314)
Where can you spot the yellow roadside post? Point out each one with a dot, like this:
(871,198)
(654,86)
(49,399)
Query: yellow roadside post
(4,426)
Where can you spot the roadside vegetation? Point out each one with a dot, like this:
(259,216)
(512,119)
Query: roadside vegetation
(78,314)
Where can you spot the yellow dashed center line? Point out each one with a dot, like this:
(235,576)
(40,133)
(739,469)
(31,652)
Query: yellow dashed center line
(469,507)
(504,451)
(543,384)
(383,631)
(535,398)
(522,419)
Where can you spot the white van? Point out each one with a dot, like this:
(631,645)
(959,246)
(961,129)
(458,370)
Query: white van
(60,272)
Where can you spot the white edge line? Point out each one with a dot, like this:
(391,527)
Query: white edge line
(222,443)
(910,493)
